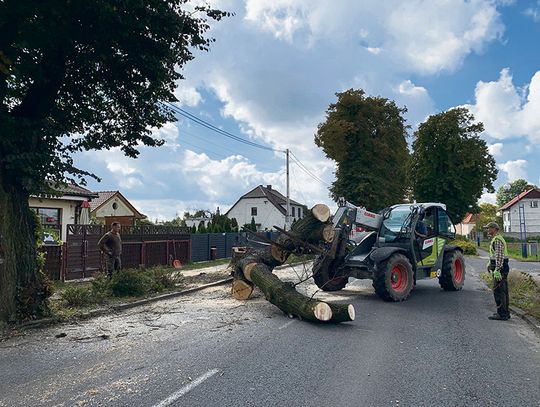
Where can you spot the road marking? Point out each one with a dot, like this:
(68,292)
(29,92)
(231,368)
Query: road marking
(187,388)
(287,324)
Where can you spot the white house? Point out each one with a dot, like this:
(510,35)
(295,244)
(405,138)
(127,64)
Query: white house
(528,203)
(267,206)
(467,225)
(112,206)
(56,212)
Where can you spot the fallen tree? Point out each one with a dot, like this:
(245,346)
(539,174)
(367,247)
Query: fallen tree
(254,268)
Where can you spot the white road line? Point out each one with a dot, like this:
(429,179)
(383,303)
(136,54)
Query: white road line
(287,324)
(187,388)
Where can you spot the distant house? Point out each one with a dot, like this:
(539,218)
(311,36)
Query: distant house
(112,206)
(267,206)
(56,212)
(467,225)
(528,203)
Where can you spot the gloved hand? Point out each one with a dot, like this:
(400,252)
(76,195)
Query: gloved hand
(497,275)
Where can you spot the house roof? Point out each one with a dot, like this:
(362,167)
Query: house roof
(69,189)
(104,196)
(274,197)
(470,218)
(531,193)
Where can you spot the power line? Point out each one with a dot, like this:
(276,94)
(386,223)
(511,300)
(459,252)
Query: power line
(307,171)
(222,132)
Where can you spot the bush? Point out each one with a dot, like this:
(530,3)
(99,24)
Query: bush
(76,296)
(101,287)
(468,246)
(163,279)
(131,283)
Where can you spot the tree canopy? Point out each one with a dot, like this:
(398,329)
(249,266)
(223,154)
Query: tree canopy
(450,163)
(507,192)
(78,76)
(366,137)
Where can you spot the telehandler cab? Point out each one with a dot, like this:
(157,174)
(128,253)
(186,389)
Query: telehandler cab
(403,244)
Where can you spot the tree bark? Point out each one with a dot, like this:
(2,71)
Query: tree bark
(255,267)
(22,290)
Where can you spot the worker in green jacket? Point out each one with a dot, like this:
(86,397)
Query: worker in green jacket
(498,266)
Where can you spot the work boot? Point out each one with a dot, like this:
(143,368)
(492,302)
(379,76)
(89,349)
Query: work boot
(497,317)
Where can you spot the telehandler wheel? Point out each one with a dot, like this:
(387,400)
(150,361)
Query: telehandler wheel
(453,271)
(327,279)
(394,278)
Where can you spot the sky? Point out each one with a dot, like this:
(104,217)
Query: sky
(276,66)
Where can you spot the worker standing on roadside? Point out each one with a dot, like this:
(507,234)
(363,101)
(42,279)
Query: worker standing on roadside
(498,266)
(111,245)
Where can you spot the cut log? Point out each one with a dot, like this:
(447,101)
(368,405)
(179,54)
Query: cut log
(255,267)
(241,289)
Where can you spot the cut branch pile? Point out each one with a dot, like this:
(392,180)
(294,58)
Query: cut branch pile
(254,268)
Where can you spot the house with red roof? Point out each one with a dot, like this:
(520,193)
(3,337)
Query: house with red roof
(266,206)
(112,206)
(522,212)
(467,224)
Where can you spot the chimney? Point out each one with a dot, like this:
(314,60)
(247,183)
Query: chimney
(269,187)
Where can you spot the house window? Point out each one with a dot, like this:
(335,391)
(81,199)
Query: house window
(534,204)
(253,211)
(293,215)
(50,218)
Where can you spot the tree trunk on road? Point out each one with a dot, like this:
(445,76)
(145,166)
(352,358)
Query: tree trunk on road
(254,267)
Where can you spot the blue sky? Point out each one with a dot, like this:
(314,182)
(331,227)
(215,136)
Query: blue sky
(276,66)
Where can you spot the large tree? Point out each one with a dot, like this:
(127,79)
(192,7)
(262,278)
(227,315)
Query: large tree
(506,192)
(77,76)
(366,137)
(450,163)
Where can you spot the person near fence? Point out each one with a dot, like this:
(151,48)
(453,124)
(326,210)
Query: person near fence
(111,245)
(498,266)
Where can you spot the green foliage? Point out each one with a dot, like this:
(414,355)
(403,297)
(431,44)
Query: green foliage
(506,193)
(193,229)
(366,137)
(78,76)
(131,283)
(76,296)
(488,213)
(450,163)
(253,225)
(468,246)
(101,287)
(201,228)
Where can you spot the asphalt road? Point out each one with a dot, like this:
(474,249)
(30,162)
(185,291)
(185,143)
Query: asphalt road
(436,349)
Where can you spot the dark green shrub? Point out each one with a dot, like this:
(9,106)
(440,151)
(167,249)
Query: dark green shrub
(76,296)
(162,279)
(101,287)
(128,283)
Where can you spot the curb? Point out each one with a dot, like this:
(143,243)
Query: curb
(532,321)
(40,323)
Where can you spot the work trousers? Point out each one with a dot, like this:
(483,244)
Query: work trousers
(500,292)
(113,264)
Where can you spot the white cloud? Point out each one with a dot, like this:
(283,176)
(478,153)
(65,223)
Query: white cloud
(426,36)
(167,209)
(514,169)
(187,95)
(495,149)
(505,111)
(408,88)
(168,132)
(488,197)
(534,13)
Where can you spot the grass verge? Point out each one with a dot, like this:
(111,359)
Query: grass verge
(513,252)
(523,290)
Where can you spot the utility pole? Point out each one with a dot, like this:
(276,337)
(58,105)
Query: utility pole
(287,216)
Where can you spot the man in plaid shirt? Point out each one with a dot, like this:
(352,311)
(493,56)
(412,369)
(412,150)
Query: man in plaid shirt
(498,266)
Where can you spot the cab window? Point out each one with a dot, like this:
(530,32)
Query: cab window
(445,225)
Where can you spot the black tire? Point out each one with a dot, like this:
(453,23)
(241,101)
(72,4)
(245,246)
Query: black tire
(453,271)
(394,278)
(326,275)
